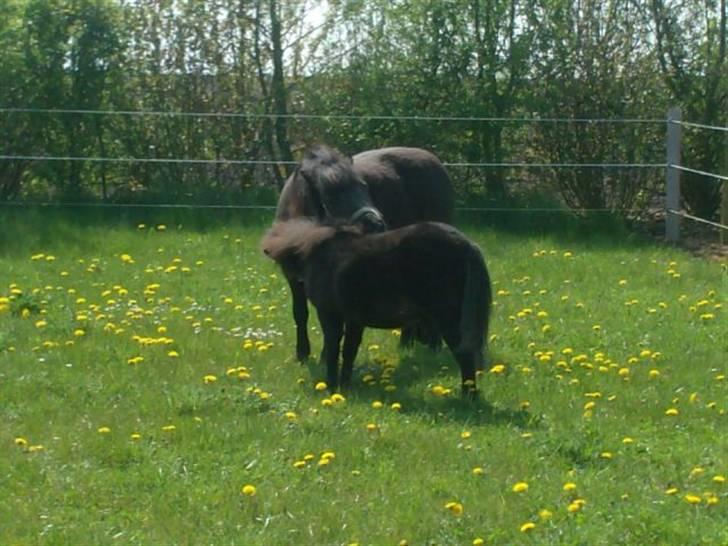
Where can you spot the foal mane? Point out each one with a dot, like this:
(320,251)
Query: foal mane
(294,238)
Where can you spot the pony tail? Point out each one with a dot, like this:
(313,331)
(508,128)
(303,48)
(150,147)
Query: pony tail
(475,308)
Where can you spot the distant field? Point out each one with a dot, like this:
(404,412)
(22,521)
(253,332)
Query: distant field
(147,377)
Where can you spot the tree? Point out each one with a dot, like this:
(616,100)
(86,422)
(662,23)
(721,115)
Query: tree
(69,49)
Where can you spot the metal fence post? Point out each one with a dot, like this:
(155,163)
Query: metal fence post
(672,193)
(724,198)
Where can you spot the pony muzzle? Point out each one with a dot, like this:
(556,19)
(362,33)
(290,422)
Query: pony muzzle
(370,218)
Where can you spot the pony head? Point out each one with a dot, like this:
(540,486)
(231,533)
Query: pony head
(337,192)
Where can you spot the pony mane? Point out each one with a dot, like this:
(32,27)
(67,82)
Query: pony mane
(294,238)
(326,164)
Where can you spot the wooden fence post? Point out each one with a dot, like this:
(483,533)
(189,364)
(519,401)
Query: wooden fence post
(672,194)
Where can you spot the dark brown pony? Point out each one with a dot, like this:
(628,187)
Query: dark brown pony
(377,189)
(422,272)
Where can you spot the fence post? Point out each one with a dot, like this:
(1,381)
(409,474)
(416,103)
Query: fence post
(724,200)
(672,194)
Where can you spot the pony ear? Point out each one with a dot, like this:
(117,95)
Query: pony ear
(311,192)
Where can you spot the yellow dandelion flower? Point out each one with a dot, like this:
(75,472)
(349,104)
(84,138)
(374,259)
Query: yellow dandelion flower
(249,490)
(606,455)
(627,440)
(465,434)
(439,390)
(135,436)
(327,402)
(520,487)
(569,486)
(299,464)
(692,499)
(396,406)
(497,369)
(545,514)
(103,430)
(209,379)
(671,412)
(455,508)
(527,527)
(719,479)
(478,471)
(21,442)
(169,428)
(337,398)
(321,386)
(478,541)
(291,415)
(671,491)
(372,427)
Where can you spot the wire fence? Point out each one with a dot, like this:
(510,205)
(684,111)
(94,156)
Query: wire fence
(222,161)
(325,117)
(674,166)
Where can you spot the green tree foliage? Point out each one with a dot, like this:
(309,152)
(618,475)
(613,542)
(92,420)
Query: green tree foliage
(268,59)
(690,38)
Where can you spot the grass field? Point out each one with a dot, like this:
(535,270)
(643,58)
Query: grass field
(148,395)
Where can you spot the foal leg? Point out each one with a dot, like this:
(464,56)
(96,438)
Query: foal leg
(466,358)
(333,329)
(300,316)
(352,340)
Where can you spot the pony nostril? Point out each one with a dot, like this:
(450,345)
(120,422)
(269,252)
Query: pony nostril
(373,223)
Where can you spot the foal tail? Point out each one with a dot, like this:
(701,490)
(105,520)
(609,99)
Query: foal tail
(475,308)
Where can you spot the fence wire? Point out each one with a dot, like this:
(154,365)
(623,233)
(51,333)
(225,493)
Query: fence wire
(51,204)
(683,214)
(703,173)
(223,161)
(254,115)
(699,125)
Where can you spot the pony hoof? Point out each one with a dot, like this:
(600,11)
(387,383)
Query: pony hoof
(470,393)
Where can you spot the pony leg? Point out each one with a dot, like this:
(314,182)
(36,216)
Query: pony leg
(407,339)
(352,340)
(333,329)
(300,316)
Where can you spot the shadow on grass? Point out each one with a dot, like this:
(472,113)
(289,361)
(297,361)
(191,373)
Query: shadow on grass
(418,366)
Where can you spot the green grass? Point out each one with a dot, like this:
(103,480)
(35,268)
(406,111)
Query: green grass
(70,325)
